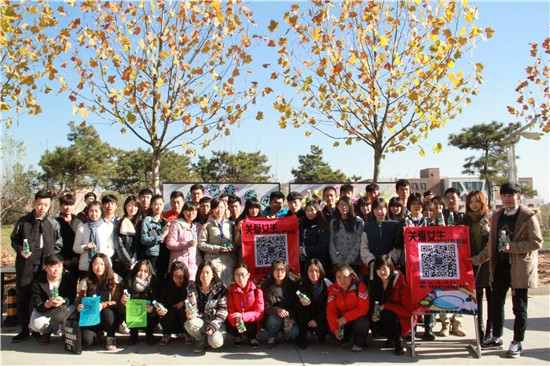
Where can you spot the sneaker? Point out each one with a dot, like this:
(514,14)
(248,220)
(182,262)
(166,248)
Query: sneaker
(271,343)
(398,351)
(45,338)
(20,337)
(165,340)
(200,347)
(457,330)
(445,328)
(110,344)
(254,344)
(238,340)
(492,343)
(356,348)
(123,328)
(428,335)
(515,350)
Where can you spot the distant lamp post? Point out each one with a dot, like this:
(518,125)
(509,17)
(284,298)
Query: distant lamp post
(513,138)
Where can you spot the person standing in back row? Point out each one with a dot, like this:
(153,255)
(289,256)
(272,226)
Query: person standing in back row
(513,262)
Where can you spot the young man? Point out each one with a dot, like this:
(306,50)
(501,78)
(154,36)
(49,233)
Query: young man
(42,233)
(329,196)
(403,190)
(428,195)
(145,200)
(203,211)
(346,190)
(197,193)
(294,200)
(83,215)
(514,265)
(234,205)
(275,208)
(68,223)
(109,204)
(176,203)
(53,295)
(453,217)
(373,191)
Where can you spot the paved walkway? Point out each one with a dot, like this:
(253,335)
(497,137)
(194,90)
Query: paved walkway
(536,346)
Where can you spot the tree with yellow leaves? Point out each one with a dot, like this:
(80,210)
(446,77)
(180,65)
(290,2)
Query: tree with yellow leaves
(164,70)
(534,100)
(31,41)
(381,72)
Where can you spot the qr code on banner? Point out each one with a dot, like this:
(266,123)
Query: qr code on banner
(438,261)
(270,247)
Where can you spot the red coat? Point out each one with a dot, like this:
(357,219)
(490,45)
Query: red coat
(400,302)
(351,305)
(253,300)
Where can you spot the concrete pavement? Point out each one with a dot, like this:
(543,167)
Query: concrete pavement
(536,349)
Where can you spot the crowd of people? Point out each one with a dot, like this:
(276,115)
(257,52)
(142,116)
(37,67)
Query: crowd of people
(189,260)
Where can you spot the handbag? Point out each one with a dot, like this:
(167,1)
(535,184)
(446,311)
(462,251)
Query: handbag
(72,338)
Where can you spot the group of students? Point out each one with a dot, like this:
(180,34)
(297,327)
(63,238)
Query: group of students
(189,260)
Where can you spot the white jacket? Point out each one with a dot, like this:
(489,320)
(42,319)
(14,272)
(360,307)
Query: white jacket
(106,242)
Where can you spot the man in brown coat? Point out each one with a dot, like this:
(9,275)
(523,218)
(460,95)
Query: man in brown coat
(512,252)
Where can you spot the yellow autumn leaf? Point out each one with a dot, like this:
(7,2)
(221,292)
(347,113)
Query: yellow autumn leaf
(75,110)
(437,148)
(383,41)
(421,152)
(260,116)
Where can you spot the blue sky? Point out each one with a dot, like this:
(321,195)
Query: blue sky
(504,56)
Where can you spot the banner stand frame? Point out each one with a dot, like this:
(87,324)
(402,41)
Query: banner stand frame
(474,349)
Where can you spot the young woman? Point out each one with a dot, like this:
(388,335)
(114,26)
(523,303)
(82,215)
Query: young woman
(142,284)
(104,283)
(345,234)
(379,237)
(252,209)
(393,317)
(313,314)
(127,243)
(477,219)
(153,234)
(347,308)
(280,300)
(364,205)
(396,209)
(314,236)
(173,296)
(428,210)
(439,206)
(93,237)
(208,298)
(182,239)
(246,301)
(216,241)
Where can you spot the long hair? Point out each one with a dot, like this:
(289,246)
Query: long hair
(107,280)
(377,291)
(313,262)
(187,206)
(484,206)
(215,276)
(349,223)
(252,202)
(396,202)
(269,284)
(137,217)
(319,217)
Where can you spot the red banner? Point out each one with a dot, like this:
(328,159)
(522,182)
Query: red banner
(438,269)
(265,240)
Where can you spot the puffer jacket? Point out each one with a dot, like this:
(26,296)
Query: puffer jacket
(524,246)
(177,241)
(351,304)
(251,297)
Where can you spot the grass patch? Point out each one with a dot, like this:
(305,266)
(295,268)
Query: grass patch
(6,241)
(546,238)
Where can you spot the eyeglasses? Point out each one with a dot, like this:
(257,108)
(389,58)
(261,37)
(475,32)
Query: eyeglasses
(241,275)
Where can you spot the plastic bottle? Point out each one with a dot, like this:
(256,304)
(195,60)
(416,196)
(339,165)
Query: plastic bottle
(303,297)
(341,332)
(240,323)
(126,293)
(376,309)
(55,292)
(451,219)
(91,253)
(286,322)
(502,240)
(189,306)
(26,246)
(158,306)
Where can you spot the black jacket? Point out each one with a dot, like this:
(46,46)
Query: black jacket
(317,310)
(41,291)
(51,239)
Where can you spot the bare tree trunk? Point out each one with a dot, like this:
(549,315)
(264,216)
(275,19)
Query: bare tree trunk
(377,159)
(156,169)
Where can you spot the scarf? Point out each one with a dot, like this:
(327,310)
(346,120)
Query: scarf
(94,233)
(142,285)
(127,228)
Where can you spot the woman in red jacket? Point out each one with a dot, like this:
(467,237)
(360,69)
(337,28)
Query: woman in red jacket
(347,308)
(244,300)
(391,317)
